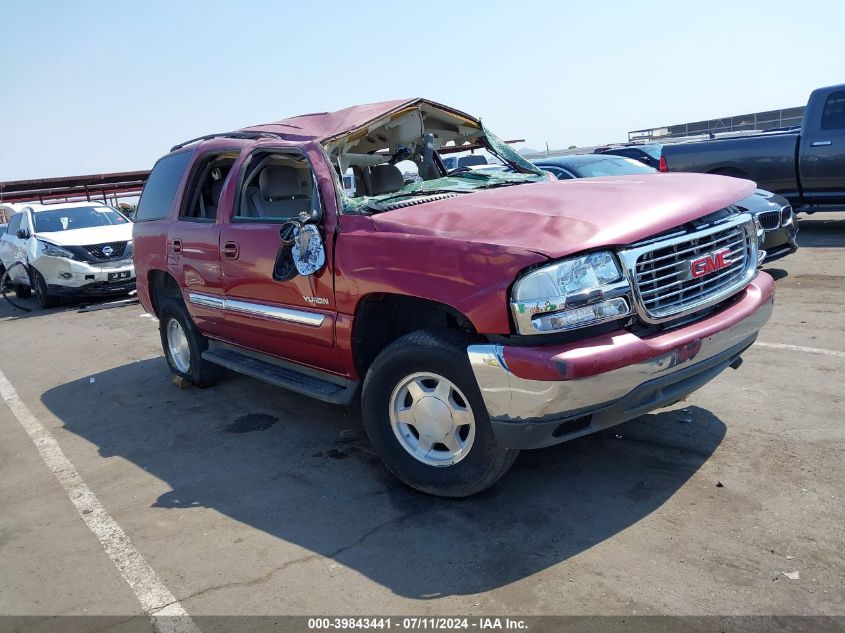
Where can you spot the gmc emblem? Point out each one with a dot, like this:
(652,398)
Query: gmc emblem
(710,263)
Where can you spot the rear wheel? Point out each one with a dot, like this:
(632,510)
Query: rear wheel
(425,416)
(183,345)
(41,293)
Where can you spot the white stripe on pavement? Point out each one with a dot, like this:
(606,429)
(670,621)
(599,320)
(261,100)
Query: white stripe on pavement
(167,614)
(798,348)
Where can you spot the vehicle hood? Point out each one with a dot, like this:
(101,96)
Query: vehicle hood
(763,200)
(559,218)
(93,235)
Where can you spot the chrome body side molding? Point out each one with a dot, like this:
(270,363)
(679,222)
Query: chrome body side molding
(289,315)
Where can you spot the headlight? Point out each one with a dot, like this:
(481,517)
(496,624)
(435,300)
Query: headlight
(51,250)
(573,293)
(127,254)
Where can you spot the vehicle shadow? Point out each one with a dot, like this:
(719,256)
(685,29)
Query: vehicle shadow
(303,471)
(776,273)
(821,230)
(14,309)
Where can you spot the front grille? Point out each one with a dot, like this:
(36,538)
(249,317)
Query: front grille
(683,274)
(769,220)
(96,250)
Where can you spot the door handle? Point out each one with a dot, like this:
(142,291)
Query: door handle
(176,246)
(231,250)
(821,143)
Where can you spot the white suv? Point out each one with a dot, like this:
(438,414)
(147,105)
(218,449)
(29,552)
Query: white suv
(71,250)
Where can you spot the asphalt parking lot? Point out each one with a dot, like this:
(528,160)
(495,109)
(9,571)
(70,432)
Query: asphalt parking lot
(246,499)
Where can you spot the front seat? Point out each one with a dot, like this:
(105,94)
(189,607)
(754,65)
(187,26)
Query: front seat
(279,193)
(385,179)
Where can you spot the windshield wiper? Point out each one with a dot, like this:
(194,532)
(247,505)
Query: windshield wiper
(510,183)
(419,192)
(379,205)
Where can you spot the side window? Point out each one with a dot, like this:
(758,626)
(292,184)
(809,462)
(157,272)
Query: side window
(210,174)
(160,190)
(277,187)
(833,116)
(14,224)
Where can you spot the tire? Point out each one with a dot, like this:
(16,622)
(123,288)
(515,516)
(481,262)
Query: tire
(22,291)
(412,358)
(190,364)
(44,297)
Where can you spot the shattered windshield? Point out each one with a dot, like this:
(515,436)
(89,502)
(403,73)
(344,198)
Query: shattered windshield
(464,182)
(400,160)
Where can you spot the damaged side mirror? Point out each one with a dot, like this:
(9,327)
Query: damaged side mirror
(301,252)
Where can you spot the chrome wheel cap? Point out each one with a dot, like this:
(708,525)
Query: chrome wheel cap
(177,345)
(432,419)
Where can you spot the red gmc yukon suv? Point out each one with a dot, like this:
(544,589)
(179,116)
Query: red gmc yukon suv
(476,313)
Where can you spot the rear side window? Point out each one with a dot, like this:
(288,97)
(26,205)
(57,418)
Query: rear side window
(161,187)
(833,117)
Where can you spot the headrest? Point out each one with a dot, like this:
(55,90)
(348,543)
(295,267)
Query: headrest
(385,179)
(279,181)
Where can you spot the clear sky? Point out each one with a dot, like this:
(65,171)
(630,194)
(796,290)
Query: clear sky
(93,87)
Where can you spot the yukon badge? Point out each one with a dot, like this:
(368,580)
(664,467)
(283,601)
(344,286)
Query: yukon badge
(710,263)
(316,301)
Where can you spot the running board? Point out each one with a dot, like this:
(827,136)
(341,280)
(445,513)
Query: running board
(308,382)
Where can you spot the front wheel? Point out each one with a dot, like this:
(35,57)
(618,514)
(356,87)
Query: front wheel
(44,297)
(425,416)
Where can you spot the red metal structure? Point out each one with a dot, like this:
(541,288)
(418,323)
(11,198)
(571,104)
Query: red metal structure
(75,188)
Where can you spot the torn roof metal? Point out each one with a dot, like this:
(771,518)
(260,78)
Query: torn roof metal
(325,126)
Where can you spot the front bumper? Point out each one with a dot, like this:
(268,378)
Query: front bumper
(781,242)
(69,277)
(539,396)
(100,289)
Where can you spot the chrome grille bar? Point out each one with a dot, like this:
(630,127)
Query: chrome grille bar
(661,271)
(769,220)
(695,248)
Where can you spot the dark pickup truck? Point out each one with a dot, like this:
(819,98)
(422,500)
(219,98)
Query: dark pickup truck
(806,165)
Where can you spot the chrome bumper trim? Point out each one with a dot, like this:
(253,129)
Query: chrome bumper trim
(511,398)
